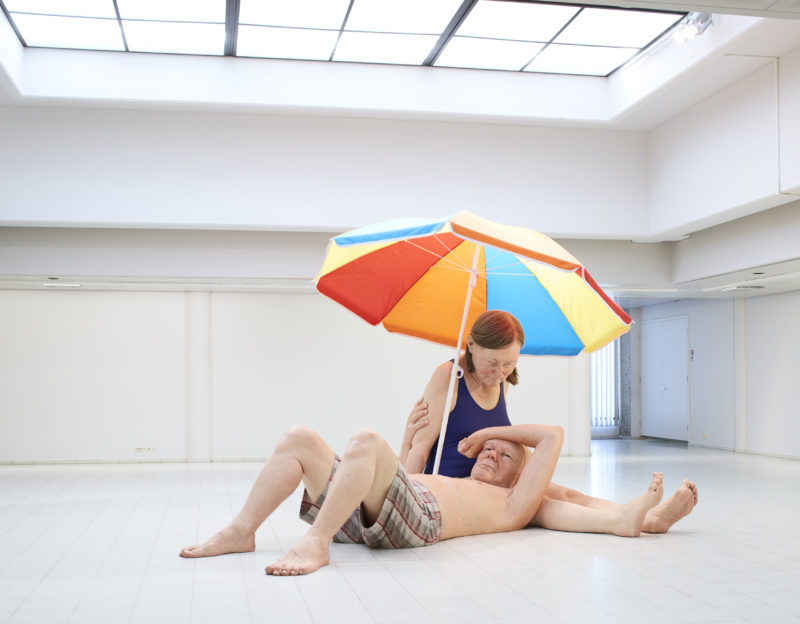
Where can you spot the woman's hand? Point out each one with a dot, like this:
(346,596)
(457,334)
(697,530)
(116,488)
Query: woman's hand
(472,444)
(416,420)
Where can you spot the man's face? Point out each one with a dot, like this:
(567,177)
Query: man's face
(498,463)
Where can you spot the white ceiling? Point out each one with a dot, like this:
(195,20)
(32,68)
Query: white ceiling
(744,37)
(650,90)
(789,9)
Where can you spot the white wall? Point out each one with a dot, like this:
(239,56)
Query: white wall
(753,342)
(773,371)
(719,156)
(790,122)
(90,376)
(200,170)
(245,255)
(93,375)
(711,370)
(203,170)
(768,237)
(196,254)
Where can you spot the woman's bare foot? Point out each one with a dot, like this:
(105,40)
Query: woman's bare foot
(306,556)
(632,513)
(680,504)
(229,540)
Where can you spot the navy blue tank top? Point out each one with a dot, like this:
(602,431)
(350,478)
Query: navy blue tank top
(465,420)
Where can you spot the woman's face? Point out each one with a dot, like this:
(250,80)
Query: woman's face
(493,365)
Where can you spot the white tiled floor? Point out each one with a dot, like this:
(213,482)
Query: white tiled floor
(99,543)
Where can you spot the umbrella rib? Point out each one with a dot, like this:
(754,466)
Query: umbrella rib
(456,265)
(503,266)
(461,263)
(488,260)
(524,263)
(513,274)
(493,270)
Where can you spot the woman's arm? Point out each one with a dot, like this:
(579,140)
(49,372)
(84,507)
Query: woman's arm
(423,437)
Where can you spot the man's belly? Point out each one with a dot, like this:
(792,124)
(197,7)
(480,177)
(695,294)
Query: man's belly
(468,507)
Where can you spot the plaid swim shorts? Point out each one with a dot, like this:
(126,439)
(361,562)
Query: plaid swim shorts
(409,516)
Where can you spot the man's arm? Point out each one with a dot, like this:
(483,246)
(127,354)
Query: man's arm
(526,495)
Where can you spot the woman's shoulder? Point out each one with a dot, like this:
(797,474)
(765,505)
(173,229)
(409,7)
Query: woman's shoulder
(440,380)
(441,376)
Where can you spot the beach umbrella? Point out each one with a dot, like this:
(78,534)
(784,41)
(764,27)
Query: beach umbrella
(430,278)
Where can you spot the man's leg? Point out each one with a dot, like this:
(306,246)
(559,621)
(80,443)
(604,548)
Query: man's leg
(367,470)
(658,520)
(301,454)
(561,493)
(624,520)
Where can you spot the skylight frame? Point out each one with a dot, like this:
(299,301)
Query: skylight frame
(108,13)
(232,23)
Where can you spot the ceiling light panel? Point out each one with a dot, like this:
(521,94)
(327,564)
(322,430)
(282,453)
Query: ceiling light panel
(384,48)
(584,60)
(612,27)
(516,20)
(74,8)
(173,10)
(295,13)
(496,34)
(69,32)
(408,16)
(175,37)
(286,43)
(476,53)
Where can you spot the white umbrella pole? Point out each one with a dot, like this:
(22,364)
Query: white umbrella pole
(473,279)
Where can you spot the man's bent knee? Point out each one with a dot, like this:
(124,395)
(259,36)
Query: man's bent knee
(364,440)
(298,438)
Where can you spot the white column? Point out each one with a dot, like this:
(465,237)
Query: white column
(579,427)
(198,376)
(740,374)
(636,374)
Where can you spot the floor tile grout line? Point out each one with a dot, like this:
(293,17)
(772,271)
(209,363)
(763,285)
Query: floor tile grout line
(96,484)
(240,560)
(111,548)
(54,478)
(152,550)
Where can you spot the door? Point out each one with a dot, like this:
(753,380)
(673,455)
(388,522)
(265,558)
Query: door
(665,378)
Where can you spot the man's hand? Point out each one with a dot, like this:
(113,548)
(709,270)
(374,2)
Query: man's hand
(472,444)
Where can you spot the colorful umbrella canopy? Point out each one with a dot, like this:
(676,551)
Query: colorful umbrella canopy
(414,275)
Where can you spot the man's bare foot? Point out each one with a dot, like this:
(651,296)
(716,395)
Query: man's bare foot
(228,540)
(680,504)
(306,556)
(632,513)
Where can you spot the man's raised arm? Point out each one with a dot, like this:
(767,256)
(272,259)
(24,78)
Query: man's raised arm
(528,491)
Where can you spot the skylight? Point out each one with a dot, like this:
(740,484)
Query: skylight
(506,35)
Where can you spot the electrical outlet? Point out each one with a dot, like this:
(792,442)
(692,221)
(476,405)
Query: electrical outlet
(145,449)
